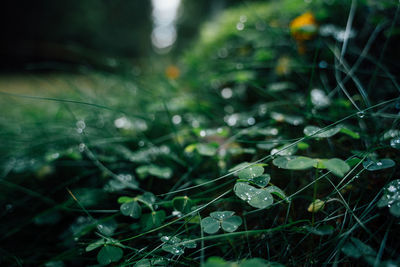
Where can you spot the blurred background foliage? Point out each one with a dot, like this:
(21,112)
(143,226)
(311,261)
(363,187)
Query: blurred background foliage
(48,35)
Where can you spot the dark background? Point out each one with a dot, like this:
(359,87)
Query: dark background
(48,34)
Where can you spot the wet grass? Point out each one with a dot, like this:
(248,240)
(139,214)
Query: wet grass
(252,152)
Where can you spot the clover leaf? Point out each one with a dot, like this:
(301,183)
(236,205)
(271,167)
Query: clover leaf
(130,206)
(257,197)
(251,172)
(108,227)
(317,132)
(376,165)
(109,254)
(175,245)
(131,209)
(335,165)
(152,220)
(218,219)
(182,204)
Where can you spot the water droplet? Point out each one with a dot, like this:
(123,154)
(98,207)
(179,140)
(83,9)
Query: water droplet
(251,121)
(240,26)
(395,143)
(203,133)
(361,114)
(81,147)
(379,163)
(319,98)
(243,18)
(392,189)
(123,123)
(226,93)
(176,119)
(323,64)
(80,124)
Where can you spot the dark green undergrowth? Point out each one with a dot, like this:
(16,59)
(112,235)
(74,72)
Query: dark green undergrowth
(277,146)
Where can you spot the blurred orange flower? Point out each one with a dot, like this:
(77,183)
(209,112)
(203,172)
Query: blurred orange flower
(172,72)
(303,28)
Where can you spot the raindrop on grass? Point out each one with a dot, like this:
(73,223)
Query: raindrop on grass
(395,143)
(361,114)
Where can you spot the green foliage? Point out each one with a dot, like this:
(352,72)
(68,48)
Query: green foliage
(221,219)
(267,148)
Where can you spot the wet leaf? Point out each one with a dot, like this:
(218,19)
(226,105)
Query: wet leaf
(109,254)
(258,198)
(182,204)
(300,163)
(131,209)
(251,172)
(317,132)
(231,224)
(210,225)
(221,215)
(94,245)
(277,192)
(218,219)
(337,166)
(262,180)
(377,165)
(108,227)
(175,250)
(147,198)
(281,162)
(285,150)
(152,220)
